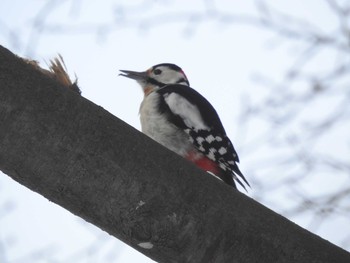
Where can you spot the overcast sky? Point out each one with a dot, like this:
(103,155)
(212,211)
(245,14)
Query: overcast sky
(222,60)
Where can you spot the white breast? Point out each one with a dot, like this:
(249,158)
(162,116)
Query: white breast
(156,126)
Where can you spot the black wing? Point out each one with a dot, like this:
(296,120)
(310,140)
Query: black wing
(190,111)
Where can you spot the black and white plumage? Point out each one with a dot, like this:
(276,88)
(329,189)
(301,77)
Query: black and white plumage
(181,119)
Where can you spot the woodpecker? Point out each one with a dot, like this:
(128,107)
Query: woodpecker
(181,119)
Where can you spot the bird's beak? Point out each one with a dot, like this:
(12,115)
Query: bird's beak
(134,74)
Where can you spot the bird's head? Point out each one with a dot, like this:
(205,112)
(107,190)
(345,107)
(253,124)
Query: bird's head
(157,77)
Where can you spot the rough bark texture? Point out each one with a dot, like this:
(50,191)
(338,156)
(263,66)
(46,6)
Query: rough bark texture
(81,157)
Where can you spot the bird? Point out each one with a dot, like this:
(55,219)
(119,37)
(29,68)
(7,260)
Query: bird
(181,119)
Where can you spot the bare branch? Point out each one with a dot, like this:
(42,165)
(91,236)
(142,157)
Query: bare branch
(86,160)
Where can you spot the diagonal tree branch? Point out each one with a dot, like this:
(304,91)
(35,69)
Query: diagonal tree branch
(81,157)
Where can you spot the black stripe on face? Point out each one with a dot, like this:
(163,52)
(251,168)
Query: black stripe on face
(183,80)
(155,82)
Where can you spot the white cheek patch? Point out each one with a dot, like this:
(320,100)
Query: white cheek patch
(186,110)
(170,77)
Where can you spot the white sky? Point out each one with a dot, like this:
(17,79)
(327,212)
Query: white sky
(218,59)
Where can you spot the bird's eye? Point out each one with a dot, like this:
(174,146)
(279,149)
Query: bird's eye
(157,72)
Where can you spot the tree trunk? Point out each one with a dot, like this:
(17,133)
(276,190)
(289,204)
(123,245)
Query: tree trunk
(81,157)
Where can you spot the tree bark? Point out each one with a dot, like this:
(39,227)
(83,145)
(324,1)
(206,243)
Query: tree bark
(81,157)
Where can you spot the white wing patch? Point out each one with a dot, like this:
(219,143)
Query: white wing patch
(186,110)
